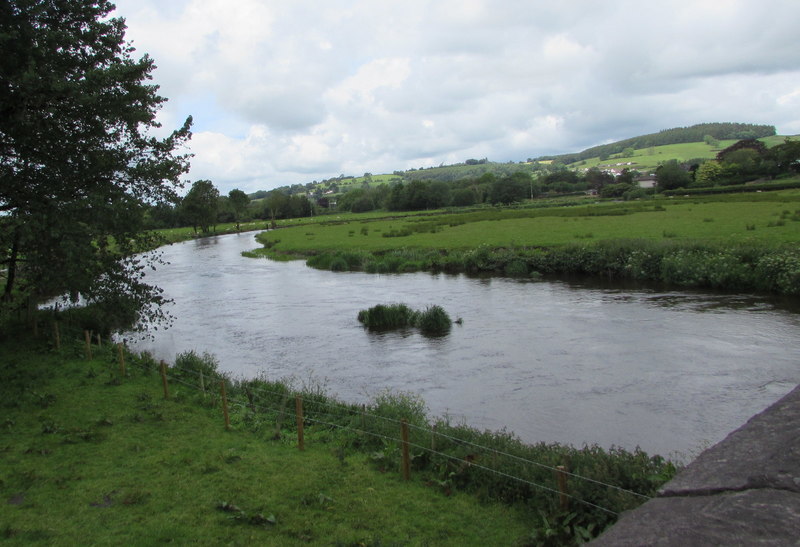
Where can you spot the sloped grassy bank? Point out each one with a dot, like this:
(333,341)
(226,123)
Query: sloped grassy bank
(739,267)
(90,455)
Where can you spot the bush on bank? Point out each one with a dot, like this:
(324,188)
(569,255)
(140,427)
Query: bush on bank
(740,267)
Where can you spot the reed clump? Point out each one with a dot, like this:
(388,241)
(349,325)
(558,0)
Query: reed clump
(387,317)
(433,321)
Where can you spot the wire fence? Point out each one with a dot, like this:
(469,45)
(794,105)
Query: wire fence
(460,455)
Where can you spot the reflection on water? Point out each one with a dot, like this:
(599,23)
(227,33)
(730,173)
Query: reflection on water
(550,361)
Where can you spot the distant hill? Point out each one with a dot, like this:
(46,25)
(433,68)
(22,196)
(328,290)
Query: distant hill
(677,135)
(644,153)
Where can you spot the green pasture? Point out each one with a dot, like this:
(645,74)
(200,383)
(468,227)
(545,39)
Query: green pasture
(765,218)
(89,458)
(646,160)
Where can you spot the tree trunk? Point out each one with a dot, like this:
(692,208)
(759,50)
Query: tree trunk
(12,268)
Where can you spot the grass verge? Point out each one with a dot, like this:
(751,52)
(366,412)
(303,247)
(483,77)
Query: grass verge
(91,456)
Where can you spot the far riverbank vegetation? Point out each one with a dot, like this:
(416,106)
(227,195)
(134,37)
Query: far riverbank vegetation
(738,242)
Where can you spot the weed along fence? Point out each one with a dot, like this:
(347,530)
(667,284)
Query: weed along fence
(585,487)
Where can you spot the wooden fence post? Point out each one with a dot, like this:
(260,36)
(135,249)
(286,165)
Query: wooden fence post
(433,438)
(225,404)
(202,383)
(121,357)
(88,337)
(56,335)
(164,379)
(406,463)
(363,417)
(561,476)
(298,409)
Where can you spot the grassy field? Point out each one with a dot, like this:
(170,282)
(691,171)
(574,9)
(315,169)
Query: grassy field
(646,160)
(764,218)
(88,458)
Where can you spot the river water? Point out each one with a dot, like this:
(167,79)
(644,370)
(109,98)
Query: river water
(668,371)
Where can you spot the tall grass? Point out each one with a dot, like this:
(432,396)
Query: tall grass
(386,317)
(433,321)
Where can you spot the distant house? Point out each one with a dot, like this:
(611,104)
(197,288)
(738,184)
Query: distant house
(648,181)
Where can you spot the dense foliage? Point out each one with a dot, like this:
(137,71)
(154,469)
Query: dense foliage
(77,161)
(744,161)
(738,267)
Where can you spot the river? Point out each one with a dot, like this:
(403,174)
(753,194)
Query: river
(668,371)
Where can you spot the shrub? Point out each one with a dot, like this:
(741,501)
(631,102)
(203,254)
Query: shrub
(191,365)
(382,317)
(516,268)
(434,321)
(339,264)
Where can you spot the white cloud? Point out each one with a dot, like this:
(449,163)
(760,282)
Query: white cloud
(287,92)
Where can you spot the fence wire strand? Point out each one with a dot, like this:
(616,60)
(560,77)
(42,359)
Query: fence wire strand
(355,412)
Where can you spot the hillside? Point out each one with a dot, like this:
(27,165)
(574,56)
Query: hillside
(704,132)
(646,160)
(642,153)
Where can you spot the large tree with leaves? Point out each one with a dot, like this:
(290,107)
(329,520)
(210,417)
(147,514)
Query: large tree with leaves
(239,202)
(78,161)
(200,205)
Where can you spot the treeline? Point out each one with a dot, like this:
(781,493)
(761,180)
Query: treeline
(678,135)
(422,194)
(203,208)
(745,161)
(471,169)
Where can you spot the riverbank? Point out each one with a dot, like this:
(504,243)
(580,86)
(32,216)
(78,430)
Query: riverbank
(737,242)
(92,454)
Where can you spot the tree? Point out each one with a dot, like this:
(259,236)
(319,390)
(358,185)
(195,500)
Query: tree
(510,189)
(78,166)
(396,199)
(708,174)
(786,156)
(439,195)
(464,197)
(626,177)
(596,178)
(671,176)
(238,201)
(200,205)
(416,196)
(276,205)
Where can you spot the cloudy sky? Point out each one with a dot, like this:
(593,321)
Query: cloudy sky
(286,92)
